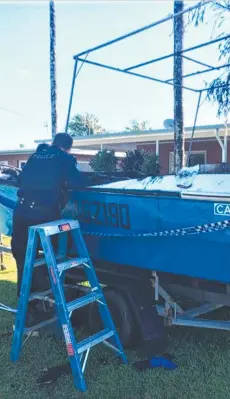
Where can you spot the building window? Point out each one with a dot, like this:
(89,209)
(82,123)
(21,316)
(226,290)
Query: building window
(196,158)
(84,166)
(4,163)
(21,164)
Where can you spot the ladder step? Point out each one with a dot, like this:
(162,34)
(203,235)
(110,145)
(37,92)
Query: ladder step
(83,301)
(69,264)
(94,340)
(42,261)
(41,295)
(57,227)
(44,298)
(39,325)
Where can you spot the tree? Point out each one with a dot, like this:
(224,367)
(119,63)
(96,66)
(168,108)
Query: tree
(104,161)
(218,91)
(178,30)
(84,125)
(136,126)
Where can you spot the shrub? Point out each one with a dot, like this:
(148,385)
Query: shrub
(151,165)
(105,161)
(141,162)
(137,162)
(133,162)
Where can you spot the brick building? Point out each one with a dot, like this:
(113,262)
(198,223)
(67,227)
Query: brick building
(18,157)
(205,148)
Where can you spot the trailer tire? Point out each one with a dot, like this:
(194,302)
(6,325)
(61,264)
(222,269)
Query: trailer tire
(122,316)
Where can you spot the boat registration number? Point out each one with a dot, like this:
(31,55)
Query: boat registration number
(108,214)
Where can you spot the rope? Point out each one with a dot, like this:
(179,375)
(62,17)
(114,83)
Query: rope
(185,231)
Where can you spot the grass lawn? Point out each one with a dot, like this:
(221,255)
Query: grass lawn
(203,359)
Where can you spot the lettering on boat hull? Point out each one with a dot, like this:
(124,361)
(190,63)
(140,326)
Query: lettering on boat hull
(107,214)
(221,209)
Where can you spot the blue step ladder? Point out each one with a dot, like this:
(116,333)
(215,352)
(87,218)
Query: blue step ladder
(57,265)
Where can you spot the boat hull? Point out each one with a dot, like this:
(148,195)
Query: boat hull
(123,225)
(115,225)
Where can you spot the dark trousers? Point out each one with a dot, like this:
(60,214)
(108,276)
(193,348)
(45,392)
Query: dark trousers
(24,216)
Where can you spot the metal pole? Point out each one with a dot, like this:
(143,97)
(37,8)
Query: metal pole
(194,126)
(71,95)
(187,50)
(135,32)
(217,87)
(134,74)
(53,94)
(197,62)
(178,28)
(189,75)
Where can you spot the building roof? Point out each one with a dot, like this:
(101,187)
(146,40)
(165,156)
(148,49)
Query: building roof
(76,151)
(16,151)
(203,131)
(153,131)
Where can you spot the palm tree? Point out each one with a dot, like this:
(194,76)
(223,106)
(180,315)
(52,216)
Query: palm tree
(178,30)
(53,95)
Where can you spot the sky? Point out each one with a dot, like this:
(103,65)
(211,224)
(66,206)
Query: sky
(113,97)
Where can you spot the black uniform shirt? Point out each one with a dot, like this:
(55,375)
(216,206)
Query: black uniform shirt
(46,176)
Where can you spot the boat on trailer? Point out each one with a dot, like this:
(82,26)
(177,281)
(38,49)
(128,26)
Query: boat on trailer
(152,238)
(176,224)
(167,235)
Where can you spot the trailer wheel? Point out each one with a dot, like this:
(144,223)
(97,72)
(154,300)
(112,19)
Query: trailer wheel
(122,316)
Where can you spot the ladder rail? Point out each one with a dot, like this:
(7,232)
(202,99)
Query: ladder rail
(24,294)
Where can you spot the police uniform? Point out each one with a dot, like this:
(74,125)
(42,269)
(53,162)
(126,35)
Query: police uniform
(43,182)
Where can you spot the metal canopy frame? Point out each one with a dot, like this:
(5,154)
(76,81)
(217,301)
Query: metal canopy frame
(81,58)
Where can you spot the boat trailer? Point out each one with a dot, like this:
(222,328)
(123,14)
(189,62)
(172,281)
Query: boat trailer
(145,288)
(174,314)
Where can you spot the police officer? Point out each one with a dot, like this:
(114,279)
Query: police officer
(43,182)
